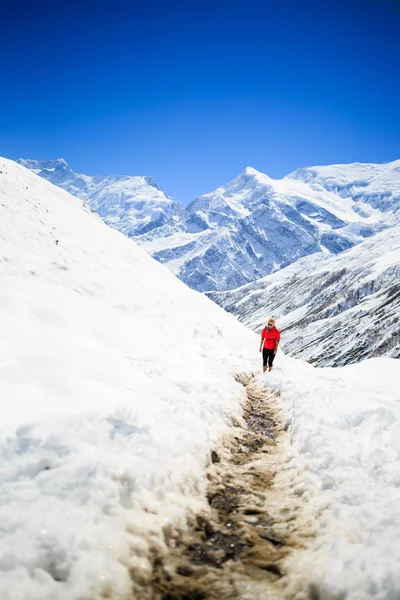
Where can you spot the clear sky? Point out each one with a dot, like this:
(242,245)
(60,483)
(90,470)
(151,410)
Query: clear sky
(192,92)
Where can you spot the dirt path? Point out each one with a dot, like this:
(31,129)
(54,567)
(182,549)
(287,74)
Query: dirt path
(240,548)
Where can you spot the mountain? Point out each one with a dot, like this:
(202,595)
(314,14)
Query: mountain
(116,384)
(250,227)
(373,184)
(132,205)
(332,310)
(255,225)
(118,397)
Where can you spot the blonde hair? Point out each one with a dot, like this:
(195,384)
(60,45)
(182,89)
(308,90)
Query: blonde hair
(271,320)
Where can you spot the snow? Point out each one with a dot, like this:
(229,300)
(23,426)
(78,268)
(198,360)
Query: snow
(116,382)
(178,241)
(295,188)
(255,225)
(130,204)
(377,185)
(344,426)
(330,307)
(249,227)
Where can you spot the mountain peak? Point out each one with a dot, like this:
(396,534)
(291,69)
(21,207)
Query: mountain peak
(39,165)
(253,172)
(249,174)
(60,161)
(131,204)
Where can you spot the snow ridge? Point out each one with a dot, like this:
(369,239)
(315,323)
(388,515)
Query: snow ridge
(132,205)
(250,227)
(255,225)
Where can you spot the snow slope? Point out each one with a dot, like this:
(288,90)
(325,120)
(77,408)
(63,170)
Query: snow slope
(332,310)
(132,205)
(116,382)
(250,227)
(344,426)
(367,183)
(255,225)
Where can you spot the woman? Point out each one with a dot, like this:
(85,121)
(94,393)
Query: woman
(270,337)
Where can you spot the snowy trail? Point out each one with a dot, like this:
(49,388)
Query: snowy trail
(344,432)
(118,390)
(116,381)
(242,547)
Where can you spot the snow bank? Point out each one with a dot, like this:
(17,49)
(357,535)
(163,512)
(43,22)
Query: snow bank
(344,425)
(115,381)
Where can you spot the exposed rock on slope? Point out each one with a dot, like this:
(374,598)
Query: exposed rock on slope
(248,228)
(255,225)
(333,310)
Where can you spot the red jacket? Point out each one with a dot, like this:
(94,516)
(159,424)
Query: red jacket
(270,337)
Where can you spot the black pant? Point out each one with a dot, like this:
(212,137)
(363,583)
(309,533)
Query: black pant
(268,357)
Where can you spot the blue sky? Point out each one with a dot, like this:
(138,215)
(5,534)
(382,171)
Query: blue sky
(192,92)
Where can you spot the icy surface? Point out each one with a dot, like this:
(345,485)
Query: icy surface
(116,382)
(332,310)
(344,426)
(250,227)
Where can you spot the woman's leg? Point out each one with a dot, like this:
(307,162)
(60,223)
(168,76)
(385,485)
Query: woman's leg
(271,357)
(265,359)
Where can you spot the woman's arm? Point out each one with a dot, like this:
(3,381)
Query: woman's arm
(262,339)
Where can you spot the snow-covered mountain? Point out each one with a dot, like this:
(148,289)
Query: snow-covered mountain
(332,310)
(250,227)
(255,225)
(115,382)
(375,184)
(132,205)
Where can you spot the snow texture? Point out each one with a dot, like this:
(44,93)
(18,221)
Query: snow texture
(116,382)
(132,205)
(344,426)
(369,183)
(333,310)
(250,227)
